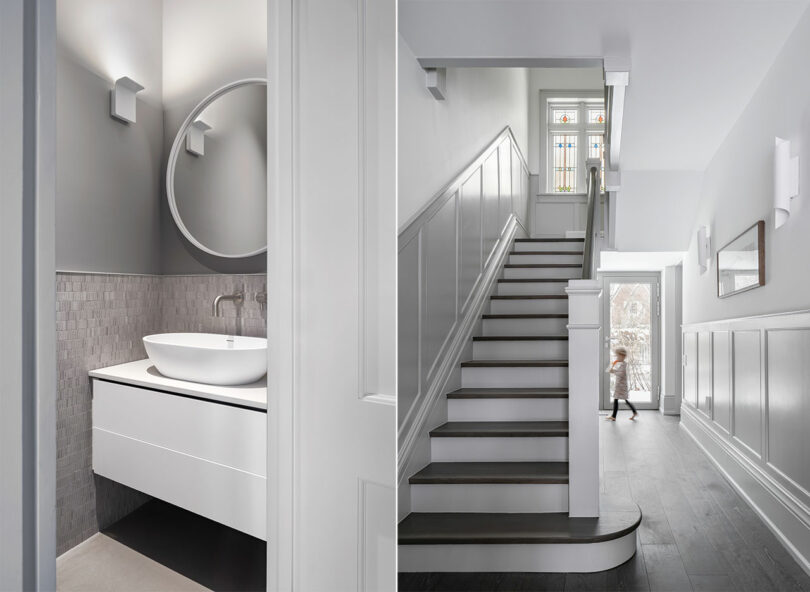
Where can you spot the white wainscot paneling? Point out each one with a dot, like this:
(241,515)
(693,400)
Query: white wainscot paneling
(690,368)
(440,287)
(721,380)
(747,409)
(470,238)
(490,205)
(705,372)
(408,369)
(504,181)
(758,432)
(449,259)
(554,215)
(789,405)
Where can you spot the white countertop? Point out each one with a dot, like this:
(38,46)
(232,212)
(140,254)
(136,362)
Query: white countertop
(143,373)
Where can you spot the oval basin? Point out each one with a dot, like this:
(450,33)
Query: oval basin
(208,358)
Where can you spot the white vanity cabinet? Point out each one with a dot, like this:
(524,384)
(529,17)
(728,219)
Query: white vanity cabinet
(191,448)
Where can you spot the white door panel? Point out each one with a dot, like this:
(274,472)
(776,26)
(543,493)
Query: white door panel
(331,266)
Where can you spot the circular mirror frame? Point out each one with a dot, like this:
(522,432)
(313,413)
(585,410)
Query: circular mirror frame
(175,152)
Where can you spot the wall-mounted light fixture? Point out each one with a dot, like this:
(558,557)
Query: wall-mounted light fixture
(704,248)
(195,137)
(436,82)
(122,99)
(785,181)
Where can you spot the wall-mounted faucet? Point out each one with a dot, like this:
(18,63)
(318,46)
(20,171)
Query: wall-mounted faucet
(237,298)
(261,298)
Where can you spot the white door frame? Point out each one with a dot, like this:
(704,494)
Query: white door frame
(331,116)
(27,296)
(655,278)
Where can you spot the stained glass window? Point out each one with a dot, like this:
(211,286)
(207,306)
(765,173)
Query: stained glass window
(564,116)
(596,116)
(565,163)
(596,149)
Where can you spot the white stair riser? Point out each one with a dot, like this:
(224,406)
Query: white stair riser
(524,259)
(523,273)
(544,246)
(556,558)
(486,449)
(521,288)
(529,306)
(507,409)
(490,497)
(520,350)
(502,327)
(520,377)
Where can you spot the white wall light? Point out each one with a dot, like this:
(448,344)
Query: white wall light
(704,248)
(436,82)
(785,181)
(195,137)
(122,99)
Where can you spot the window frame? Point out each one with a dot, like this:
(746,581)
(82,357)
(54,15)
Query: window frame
(567,99)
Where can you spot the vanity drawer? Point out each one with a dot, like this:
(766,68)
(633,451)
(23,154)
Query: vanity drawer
(215,432)
(229,496)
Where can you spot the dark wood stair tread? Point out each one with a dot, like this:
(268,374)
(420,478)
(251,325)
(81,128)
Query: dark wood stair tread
(541,265)
(509,393)
(550,315)
(531,297)
(500,429)
(529,280)
(545,252)
(515,364)
(443,473)
(520,338)
(437,528)
(549,240)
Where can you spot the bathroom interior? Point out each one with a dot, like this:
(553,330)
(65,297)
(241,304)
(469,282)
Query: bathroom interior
(161,243)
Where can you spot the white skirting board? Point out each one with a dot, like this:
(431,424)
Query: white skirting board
(553,558)
(772,506)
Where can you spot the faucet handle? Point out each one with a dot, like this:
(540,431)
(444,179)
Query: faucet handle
(261,298)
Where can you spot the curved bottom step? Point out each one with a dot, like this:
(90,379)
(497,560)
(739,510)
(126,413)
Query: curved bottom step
(517,542)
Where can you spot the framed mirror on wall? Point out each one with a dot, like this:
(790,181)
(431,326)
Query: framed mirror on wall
(741,262)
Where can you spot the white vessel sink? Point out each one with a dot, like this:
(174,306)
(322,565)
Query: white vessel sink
(207,357)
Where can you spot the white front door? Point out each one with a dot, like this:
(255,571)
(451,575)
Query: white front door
(632,313)
(332,300)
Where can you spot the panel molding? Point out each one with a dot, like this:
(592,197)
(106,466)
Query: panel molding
(414,421)
(783,508)
(433,368)
(775,494)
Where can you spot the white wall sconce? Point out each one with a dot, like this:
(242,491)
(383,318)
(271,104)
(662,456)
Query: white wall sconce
(704,249)
(195,137)
(785,181)
(122,99)
(436,82)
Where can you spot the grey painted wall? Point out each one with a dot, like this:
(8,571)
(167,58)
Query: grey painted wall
(108,178)
(738,190)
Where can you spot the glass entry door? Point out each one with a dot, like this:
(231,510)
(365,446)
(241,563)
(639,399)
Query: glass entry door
(632,313)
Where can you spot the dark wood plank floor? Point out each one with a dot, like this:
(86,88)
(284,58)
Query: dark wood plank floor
(696,532)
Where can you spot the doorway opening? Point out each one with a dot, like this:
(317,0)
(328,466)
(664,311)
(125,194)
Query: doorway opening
(632,313)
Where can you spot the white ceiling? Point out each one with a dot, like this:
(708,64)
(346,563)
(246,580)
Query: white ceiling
(694,64)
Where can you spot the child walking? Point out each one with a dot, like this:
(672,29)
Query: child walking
(619,369)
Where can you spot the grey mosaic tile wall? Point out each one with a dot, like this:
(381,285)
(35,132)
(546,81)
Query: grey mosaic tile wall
(100,320)
(186,304)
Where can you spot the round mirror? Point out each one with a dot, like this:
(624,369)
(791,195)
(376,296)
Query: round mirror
(216,178)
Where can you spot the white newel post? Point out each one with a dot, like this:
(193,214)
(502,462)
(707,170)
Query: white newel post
(584,374)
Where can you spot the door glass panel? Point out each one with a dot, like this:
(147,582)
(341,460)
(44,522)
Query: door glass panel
(631,326)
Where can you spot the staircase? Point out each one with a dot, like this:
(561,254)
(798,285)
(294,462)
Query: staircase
(495,496)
